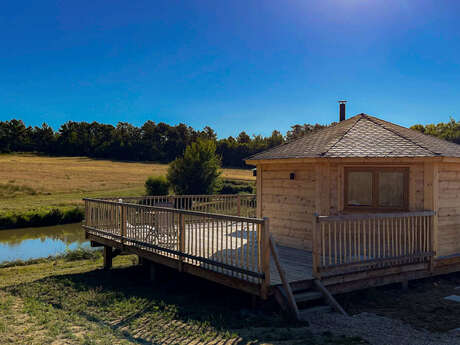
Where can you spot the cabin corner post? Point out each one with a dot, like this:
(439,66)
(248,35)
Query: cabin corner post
(265,258)
(259,191)
(315,247)
(431,200)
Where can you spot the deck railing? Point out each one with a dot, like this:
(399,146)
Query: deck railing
(232,245)
(244,205)
(350,243)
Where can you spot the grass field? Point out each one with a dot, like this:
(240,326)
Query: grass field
(31,182)
(63,301)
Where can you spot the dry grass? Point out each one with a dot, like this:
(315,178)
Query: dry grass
(30,181)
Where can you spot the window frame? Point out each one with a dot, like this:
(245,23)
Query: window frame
(375,189)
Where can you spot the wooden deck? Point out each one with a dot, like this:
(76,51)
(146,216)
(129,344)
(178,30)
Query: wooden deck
(235,245)
(206,236)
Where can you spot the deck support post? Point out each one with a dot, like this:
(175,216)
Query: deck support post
(253,302)
(265,258)
(140,260)
(152,271)
(108,256)
(405,285)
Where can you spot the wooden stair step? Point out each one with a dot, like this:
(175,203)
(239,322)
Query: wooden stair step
(301,285)
(307,296)
(314,310)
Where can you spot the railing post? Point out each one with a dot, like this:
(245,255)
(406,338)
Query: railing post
(238,205)
(315,247)
(85,220)
(265,257)
(124,221)
(181,240)
(432,243)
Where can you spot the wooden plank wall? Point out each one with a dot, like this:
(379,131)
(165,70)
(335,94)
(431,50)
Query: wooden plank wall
(290,204)
(449,209)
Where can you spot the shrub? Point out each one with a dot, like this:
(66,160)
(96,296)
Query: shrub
(197,171)
(41,217)
(157,185)
(237,187)
(81,254)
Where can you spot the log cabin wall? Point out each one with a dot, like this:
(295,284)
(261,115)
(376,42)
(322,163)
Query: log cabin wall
(449,209)
(290,204)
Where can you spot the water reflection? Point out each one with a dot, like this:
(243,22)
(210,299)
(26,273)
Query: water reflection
(28,243)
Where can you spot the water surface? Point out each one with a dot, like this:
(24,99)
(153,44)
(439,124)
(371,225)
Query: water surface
(32,243)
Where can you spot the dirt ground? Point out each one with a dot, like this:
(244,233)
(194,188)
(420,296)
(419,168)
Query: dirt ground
(422,305)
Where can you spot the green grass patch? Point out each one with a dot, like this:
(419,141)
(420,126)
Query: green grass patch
(74,302)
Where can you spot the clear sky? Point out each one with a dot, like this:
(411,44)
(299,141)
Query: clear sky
(232,65)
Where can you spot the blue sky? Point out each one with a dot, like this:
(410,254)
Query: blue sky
(232,65)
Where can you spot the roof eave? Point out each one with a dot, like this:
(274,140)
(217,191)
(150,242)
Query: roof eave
(352,160)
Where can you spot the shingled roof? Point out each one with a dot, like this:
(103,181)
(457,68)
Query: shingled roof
(363,136)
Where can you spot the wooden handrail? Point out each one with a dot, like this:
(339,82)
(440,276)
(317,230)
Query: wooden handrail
(230,245)
(366,216)
(181,211)
(346,242)
(286,285)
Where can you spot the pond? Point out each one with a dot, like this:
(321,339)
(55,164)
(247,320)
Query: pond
(31,243)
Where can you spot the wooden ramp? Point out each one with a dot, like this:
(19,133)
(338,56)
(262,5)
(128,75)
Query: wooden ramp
(297,264)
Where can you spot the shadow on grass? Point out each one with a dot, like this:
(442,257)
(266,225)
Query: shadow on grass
(175,308)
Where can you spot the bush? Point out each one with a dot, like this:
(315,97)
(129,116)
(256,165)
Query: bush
(237,187)
(157,185)
(80,254)
(197,171)
(42,217)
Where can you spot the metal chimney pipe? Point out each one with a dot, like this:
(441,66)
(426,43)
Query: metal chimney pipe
(342,110)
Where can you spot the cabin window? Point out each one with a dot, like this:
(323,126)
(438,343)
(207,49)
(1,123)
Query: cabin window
(380,189)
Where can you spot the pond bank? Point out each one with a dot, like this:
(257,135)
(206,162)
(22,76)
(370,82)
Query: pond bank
(41,217)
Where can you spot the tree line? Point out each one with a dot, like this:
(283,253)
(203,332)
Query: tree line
(157,142)
(449,131)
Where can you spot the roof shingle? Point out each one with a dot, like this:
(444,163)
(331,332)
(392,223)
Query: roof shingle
(363,136)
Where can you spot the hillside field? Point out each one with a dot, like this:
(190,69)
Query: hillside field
(32,182)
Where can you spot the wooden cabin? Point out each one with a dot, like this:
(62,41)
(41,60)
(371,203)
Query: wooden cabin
(361,203)
(360,166)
